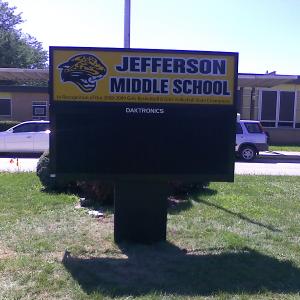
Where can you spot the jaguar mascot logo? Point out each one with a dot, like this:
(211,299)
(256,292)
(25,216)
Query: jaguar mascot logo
(84,70)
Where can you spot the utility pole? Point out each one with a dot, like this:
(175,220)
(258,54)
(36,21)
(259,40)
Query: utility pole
(127,24)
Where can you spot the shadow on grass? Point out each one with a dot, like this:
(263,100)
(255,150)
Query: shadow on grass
(180,202)
(239,215)
(166,269)
(176,205)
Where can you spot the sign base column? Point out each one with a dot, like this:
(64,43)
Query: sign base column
(140,212)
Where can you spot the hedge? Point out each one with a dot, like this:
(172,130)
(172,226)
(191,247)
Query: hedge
(6,124)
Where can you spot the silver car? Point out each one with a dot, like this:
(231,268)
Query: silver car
(31,136)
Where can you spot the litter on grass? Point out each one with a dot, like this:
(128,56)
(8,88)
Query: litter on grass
(95,213)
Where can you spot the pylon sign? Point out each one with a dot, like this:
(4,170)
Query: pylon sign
(142,114)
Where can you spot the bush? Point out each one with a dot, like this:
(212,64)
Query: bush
(96,192)
(43,171)
(51,184)
(6,124)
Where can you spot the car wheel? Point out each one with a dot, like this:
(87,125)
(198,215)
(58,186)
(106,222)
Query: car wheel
(247,153)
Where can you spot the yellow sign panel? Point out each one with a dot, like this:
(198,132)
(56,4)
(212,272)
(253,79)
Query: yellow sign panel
(142,76)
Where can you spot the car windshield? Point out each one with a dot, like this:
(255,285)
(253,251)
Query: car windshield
(253,127)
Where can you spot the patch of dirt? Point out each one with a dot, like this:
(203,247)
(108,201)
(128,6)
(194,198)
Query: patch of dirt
(6,252)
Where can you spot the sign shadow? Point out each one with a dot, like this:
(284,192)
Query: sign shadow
(166,269)
(239,215)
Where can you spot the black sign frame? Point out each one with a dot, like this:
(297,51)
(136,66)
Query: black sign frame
(174,155)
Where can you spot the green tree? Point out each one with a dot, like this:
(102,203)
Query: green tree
(18,49)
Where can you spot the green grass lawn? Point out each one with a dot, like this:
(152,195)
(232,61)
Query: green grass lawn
(294,148)
(234,241)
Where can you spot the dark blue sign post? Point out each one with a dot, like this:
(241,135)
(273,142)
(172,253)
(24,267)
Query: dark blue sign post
(142,119)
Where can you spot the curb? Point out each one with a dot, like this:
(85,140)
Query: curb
(279,155)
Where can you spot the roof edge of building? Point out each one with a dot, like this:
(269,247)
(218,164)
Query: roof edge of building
(23,88)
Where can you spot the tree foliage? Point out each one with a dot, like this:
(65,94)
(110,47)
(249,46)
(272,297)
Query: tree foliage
(18,49)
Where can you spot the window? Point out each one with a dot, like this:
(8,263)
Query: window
(30,127)
(39,110)
(253,128)
(5,107)
(277,108)
(42,127)
(286,113)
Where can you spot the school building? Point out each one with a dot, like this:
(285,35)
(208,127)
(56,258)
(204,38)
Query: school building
(272,99)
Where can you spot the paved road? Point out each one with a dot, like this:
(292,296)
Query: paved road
(271,163)
(267,164)
(268,167)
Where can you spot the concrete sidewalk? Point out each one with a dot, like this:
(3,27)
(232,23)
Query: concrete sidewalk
(18,164)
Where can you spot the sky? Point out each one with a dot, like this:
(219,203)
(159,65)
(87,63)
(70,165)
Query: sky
(265,33)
